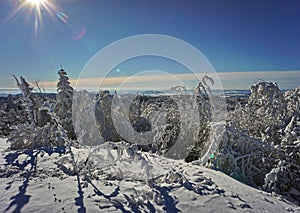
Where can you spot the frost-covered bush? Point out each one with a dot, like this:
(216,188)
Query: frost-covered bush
(284,178)
(167,124)
(103,107)
(12,113)
(174,125)
(158,115)
(292,98)
(135,118)
(203,140)
(203,95)
(265,109)
(84,119)
(273,118)
(41,126)
(244,158)
(29,135)
(119,158)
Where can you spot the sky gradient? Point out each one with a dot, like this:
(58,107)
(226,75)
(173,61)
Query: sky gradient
(237,37)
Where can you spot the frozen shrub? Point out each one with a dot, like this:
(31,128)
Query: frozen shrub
(104,120)
(12,113)
(273,119)
(244,158)
(41,127)
(292,98)
(84,119)
(29,135)
(26,136)
(284,178)
(265,109)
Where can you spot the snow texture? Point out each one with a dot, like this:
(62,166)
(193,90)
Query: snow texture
(116,177)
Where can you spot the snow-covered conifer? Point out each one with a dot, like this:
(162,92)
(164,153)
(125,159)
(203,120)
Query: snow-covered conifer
(64,98)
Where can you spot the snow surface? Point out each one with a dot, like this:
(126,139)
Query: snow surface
(116,177)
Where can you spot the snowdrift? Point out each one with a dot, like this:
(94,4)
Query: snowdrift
(116,177)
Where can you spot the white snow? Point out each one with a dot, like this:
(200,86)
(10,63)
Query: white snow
(116,177)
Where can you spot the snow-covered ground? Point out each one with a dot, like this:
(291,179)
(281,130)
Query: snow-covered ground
(119,178)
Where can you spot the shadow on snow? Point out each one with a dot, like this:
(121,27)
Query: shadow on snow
(21,199)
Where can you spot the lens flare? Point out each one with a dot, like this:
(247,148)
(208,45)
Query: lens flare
(79,33)
(36,3)
(36,9)
(62,16)
(37,12)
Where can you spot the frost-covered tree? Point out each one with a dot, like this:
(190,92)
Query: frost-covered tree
(264,112)
(202,94)
(31,102)
(84,119)
(24,86)
(64,98)
(41,127)
(273,118)
(284,178)
(11,113)
(31,136)
(292,98)
(104,120)
(244,158)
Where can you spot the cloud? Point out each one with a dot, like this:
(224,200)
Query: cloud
(162,80)
(6,78)
(7,82)
(242,80)
(258,74)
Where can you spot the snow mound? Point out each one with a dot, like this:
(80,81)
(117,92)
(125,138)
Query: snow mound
(117,177)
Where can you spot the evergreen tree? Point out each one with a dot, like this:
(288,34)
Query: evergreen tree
(64,98)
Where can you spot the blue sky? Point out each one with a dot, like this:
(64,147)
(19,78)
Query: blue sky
(235,36)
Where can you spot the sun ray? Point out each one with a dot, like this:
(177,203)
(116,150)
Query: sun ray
(36,3)
(36,9)
(17,11)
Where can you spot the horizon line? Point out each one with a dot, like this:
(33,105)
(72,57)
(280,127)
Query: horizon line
(287,79)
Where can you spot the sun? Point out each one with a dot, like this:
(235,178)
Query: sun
(34,10)
(37,8)
(36,3)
